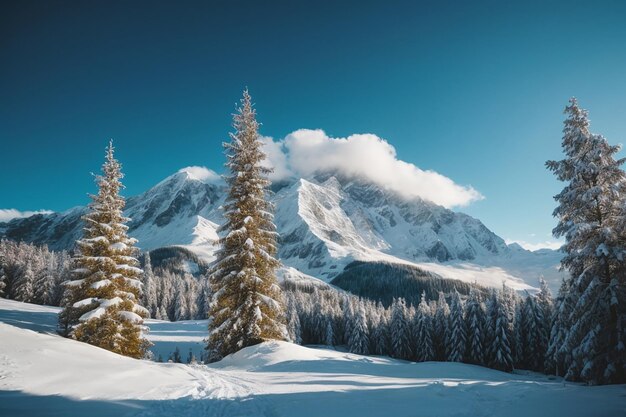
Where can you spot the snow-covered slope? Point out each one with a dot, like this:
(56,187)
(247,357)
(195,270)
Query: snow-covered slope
(46,375)
(325,222)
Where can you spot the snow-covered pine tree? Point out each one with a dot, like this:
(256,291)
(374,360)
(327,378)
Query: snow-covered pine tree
(329,336)
(24,286)
(293,323)
(204,298)
(557,355)
(535,338)
(3,280)
(44,279)
(423,332)
(519,349)
(456,337)
(591,217)
(181,308)
(400,331)
(475,320)
(359,339)
(247,303)
(380,335)
(102,300)
(545,303)
(440,327)
(545,300)
(149,286)
(500,344)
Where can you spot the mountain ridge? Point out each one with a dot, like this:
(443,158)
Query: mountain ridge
(325,222)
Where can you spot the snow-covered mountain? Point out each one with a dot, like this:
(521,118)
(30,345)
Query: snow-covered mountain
(325,223)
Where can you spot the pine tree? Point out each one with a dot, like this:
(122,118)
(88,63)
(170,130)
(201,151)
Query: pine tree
(456,337)
(25,284)
(44,279)
(149,286)
(329,337)
(399,330)
(247,304)
(500,344)
(3,279)
(557,355)
(440,327)
(535,339)
(380,335)
(293,323)
(519,348)
(101,304)
(591,217)
(359,339)
(424,350)
(475,320)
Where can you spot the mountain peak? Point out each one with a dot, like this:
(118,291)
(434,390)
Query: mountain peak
(198,173)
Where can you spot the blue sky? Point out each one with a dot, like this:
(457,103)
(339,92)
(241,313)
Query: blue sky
(471,90)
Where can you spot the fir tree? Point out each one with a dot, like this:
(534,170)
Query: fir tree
(557,355)
(591,218)
(293,323)
(247,304)
(476,327)
(519,349)
(424,350)
(400,330)
(25,285)
(500,344)
(329,337)
(535,339)
(101,304)
(380,336)
(3,280)
(149,286)
(456,337)
(359,340)
(440,327)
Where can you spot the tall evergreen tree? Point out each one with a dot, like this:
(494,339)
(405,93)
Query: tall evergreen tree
(423,324)
(149,286)
(400,331)
(3,280)
(591,217)
(500,343)
(102,300)
(440,327)
(359,338)
(456,337)
(535,338)
(247,304)
(476,328)
(557,355)
(293,323)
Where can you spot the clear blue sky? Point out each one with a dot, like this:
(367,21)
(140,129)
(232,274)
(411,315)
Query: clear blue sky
(472,90)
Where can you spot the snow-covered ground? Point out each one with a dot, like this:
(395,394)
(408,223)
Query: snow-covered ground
(42,374)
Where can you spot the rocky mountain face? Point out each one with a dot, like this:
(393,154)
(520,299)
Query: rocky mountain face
(325,223)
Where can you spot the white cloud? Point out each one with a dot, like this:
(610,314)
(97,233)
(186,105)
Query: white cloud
(10,214)
(276,158)
(203,174)
(305,151)
(548,244)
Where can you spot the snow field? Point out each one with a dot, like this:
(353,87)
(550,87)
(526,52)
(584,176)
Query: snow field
(42,374)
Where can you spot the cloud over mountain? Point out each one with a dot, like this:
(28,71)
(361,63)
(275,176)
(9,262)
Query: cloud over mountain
(305,152)
(10,214)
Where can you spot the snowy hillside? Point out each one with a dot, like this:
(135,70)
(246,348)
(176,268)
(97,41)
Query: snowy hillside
(325,223)
(42,374)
